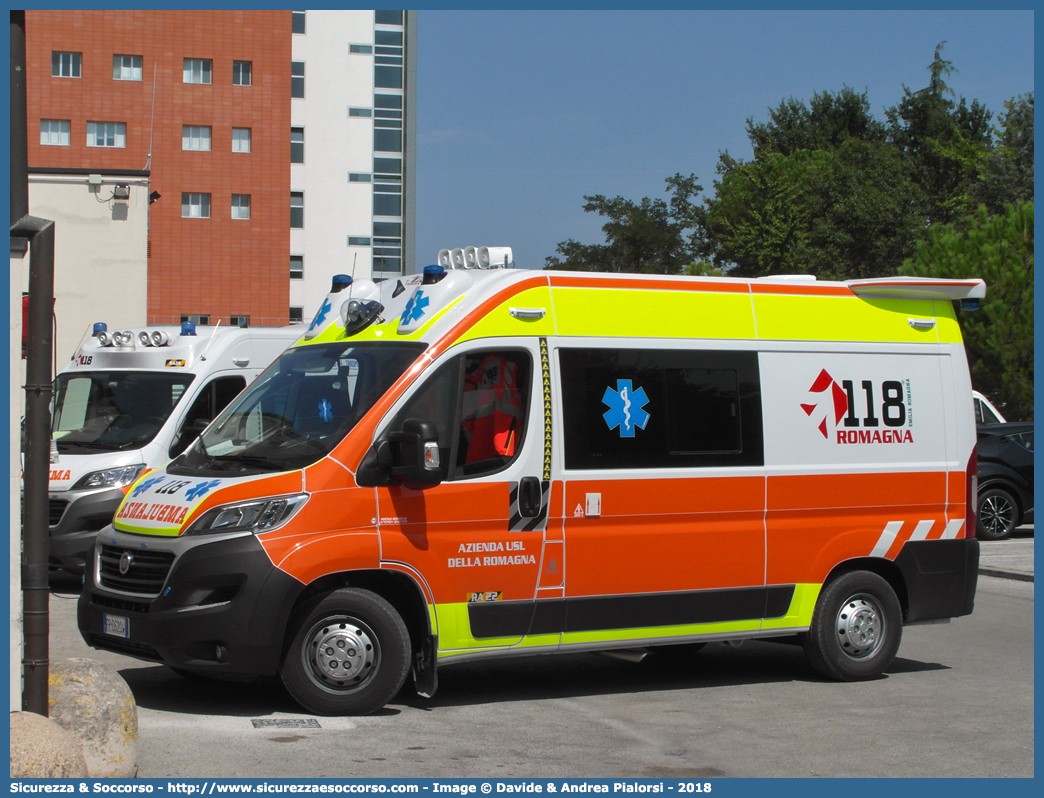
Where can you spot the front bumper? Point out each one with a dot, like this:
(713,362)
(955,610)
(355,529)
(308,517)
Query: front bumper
(75,520)
(214,606)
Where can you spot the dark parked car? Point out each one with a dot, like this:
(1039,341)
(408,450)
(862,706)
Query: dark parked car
(1005,479)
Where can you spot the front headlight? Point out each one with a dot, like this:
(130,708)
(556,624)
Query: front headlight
(257,516)
(118,477)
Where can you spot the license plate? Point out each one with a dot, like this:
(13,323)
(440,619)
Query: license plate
(116,625)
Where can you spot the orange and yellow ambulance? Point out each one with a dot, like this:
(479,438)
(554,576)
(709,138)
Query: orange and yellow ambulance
(471,463)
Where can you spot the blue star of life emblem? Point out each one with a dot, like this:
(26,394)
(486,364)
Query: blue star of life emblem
(320,317)
(201,488)
(414,308)
(625,408)
(144,486)
(325,411)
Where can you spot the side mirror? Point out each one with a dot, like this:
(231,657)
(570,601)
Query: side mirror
(418,442)
(409,456)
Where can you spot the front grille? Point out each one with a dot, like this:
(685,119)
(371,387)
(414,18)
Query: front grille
(146,575)
(55,511)
(112,603)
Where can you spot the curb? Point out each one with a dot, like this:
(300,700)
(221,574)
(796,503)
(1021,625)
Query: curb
(997,572)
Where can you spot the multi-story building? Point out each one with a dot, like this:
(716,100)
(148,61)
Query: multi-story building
(352,148)
(190,157)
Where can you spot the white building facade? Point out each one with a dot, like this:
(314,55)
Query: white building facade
(352,175)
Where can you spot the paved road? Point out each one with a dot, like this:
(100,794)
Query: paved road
(957,702)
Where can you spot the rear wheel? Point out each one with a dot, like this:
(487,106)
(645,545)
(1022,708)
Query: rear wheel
(856,628)
(998,514)
(349,655)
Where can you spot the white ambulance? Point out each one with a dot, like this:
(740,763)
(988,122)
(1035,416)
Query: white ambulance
(129,400)
(485,462)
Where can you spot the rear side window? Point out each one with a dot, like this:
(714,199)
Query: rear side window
(667,408)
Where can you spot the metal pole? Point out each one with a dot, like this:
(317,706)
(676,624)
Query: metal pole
(35,529)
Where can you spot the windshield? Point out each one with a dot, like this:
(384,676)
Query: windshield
(299,409)
(113,410)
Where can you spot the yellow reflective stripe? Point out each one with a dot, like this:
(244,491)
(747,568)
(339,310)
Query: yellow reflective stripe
(946,322)
(388,331)
(838,318)
(455,630)
(801,607)
(660,632)
(500,323)
(616,313)
(167,531)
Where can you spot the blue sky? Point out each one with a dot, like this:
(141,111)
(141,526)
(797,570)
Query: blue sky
(520,114)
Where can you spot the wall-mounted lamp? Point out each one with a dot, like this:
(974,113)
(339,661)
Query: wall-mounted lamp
(121,192)
(155,195)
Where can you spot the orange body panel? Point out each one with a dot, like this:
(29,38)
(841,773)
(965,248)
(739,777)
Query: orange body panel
(664,535)
(457,536)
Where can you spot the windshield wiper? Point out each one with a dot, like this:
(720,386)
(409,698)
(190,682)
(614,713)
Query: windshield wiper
(104,445)
(260,462)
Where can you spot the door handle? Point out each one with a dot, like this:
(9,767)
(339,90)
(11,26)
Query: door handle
(529,495)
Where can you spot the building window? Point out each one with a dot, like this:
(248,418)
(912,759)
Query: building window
(297,209)
(388,168)
(387,140)
(387,125)
(126,67)
(387,77)
(387,204)
(364,49)
(195,206)
(197,70)
(54,132)
(387,247)
(387,17)
(65,65)
(297,78)
(195,137)
(297,22)
(240,139)
(296,315)
(391,38)
(297,145)
(360,112)
(242,73)
(239,321)
(196,318)
(106,134)
(297,267)
(240,206)
(355,177)
(358,241)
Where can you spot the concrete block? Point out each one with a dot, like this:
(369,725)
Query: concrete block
(41,749)
(92,701)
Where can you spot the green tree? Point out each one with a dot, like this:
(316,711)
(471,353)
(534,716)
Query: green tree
(1007,175)
(999,337)
(838,213)
(944,142)
(828,120)
(652,236)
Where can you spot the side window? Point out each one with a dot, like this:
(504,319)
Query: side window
(669,408)
(479,404)
(211,401)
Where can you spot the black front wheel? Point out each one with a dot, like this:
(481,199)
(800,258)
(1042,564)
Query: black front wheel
(998,514)
(856,628)
(349,654)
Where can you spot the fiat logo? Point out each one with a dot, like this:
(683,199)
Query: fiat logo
(125,562)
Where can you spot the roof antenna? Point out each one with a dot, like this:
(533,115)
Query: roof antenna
(211,341)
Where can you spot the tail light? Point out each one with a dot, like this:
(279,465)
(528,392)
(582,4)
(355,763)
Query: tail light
(971,516)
